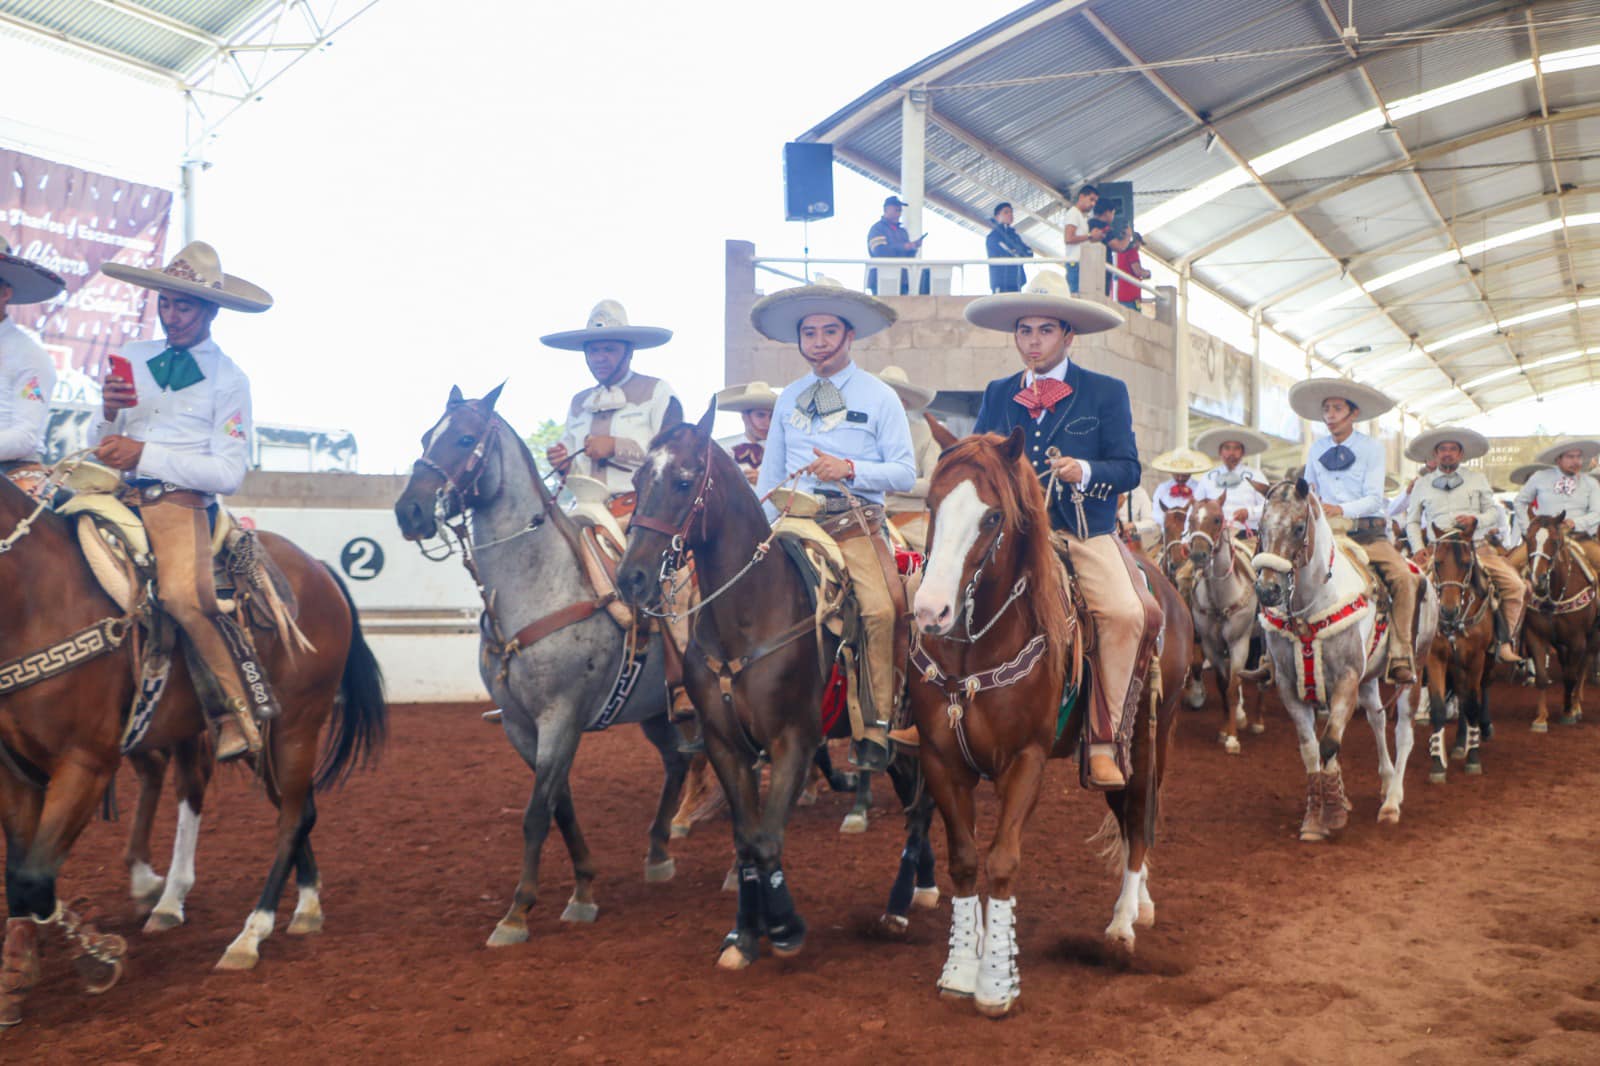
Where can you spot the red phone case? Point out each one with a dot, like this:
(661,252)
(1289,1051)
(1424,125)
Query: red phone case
(119,368)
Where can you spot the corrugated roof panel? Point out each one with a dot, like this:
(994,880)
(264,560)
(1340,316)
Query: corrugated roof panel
(1375,19)
(1447,60)
(220,18)
(1503,106)
(1268,259)
(1476,179)
(1275,125)
(108,28)
(1222,215)
(1371,216)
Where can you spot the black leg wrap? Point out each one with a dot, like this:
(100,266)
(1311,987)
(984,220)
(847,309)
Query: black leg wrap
(785,928)
(1329,748)
(925,875)
(904,881)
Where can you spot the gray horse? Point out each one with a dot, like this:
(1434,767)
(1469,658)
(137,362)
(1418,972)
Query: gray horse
(1224,606)
(551,655)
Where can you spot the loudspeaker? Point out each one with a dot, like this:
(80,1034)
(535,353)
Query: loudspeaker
(1120,194)
(807,181)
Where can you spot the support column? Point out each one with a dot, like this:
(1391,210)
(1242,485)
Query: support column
(188,179)
(1255,372)
(913,157)
(1180,374)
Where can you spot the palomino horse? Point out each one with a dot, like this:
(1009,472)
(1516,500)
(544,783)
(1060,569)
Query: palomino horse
(1561,618)
(1224,608)
(550,655)
(756,671)
(1460,663)
(1328,652)
(995,649)
(1171,560)
(61,732)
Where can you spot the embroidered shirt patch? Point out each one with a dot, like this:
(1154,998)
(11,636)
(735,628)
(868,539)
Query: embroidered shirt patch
(234,426)
(33,391)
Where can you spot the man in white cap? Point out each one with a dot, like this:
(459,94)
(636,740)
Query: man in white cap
(1346,471)
(27,373)
(1180,465)
(1562,489)
(181,435)
(1457,498)
(908,511)
(1078,427)
(610,426)
(1243,484)
(753,401)
(844,432)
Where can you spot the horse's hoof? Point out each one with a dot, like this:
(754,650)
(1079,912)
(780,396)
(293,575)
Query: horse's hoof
(505,935)
(678,832)
(1258,728)
(579,911)
(304,924)
(1231,745)
(1436,778)
(854,822)
(10,1011)
(808,798)
(925,898)
(731,882)
(895,926)
(1539,727)
(733,959)
(995,1010)
(237,959)
(161,921)
(98,977)
(1569,719)
(1458,754)
(657,872)
(1474,768)
(1147,915)
(1389,816)
(1313,836)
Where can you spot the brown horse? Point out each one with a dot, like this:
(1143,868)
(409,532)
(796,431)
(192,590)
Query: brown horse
(756,671)
(996,648)
(1171,559)
(60,735)
(1561,619)
(1460,665)
(1223,602)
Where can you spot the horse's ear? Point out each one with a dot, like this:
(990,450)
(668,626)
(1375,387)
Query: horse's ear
(1302,488)
(1562,517)
(1015,445)
(941,433)
(703,427)
(1222,502)
(456,399)
(488,402)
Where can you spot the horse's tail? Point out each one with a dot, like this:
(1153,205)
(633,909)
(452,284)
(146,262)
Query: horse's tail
(361,714)
(1112,842)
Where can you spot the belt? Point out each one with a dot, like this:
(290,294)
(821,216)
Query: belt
(1369,525)
(859,521)
(166,492)
(839,503)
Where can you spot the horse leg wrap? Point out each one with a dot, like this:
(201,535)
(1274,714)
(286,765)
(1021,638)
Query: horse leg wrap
(785,928)
(1329,748)
(904,881)
(749,925)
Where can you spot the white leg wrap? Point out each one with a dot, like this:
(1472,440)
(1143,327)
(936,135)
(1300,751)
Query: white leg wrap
(999,982)
(960,975)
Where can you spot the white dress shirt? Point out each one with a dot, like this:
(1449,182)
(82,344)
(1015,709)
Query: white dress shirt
(1209,487)
(1581,501)
(27,381)
(1166,500)
(632,412)
(1438,508)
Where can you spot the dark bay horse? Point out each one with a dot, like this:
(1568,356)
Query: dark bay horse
(1560,625)
(1460,663)
(756,672)
(60,738)
(996,647)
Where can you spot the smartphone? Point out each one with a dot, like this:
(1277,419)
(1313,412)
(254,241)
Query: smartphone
(119,368)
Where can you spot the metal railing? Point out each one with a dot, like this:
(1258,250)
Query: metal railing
(771,264)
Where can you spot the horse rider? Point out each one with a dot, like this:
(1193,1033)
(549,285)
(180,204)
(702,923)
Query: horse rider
(181,435)
(842,433)
(1455,498)
(1563,489)
(1079,432)
(27,373)
(1244,484)
(1177,492)
(1345,469)
(753,402)
(908,511)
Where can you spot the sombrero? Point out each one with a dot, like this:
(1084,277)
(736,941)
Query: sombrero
(751,396)
(195,271)
(1182,461)
(608,322)
(587,489)
(915,397)
(1474,445)
(1521,474)
(1046,295)
(1391,484)
(778,316)
(1208,442)
(1306,398)
(1587,445)
(30,283)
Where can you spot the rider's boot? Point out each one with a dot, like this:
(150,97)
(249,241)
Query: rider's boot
(872,750)
(1505,650)
(1401,671)
(686,721)
(1104,774)
(237,733)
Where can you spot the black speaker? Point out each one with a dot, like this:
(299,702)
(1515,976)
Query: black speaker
(807,181)
(1118,194)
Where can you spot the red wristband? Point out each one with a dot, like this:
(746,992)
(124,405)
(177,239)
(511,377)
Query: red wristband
(852,474)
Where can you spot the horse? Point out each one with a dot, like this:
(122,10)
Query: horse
(1561,619)
(756,669)
(995,648)
(1460,662)
(1170,560)
(61,734)
(1328,651)
(550,654)
(1224,608)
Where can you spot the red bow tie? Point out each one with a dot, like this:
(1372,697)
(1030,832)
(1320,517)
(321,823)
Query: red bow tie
(1182,492)
(748,453)
(1043,395)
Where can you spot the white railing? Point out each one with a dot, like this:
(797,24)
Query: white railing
(771,264)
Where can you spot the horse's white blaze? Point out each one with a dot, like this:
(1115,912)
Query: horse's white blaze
(954,534)
(434,434)
(180,875)
(659,461)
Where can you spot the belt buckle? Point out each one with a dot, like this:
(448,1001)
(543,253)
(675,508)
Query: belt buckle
(153,492)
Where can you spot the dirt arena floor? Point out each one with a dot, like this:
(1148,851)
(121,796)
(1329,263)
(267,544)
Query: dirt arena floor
(1471,932)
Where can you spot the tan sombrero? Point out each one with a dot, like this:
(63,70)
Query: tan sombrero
(751,396)
(1587,445)
(1474,445)
(608,322)
(1047,295)
(1306,398)
(914,397)
(1391,484)
(1182,461)
(1521,474)
(1208,442)
(587,489)
(778,316)
(30,283)
(195,271)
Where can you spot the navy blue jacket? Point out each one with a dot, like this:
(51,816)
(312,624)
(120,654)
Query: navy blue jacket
(1094,424)
(1005,241)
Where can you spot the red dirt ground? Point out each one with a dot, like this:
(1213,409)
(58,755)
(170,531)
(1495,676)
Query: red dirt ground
(1470,932)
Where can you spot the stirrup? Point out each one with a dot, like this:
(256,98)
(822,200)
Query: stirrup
(243,738)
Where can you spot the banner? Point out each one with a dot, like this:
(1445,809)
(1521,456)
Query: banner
(71,221)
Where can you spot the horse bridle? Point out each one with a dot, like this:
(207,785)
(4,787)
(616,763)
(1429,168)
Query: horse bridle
(461,492)
(1469,592)
(677,535)
(1302,553)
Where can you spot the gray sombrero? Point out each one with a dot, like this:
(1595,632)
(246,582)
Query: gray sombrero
(608,322)
(1182,461)
(1521,474)
(1306,397)
(30,283)
(1474,445)
(195,271)
(1587,445)
(778,316)
(751,396)
(1211,440)
(915,397)
(1047,295)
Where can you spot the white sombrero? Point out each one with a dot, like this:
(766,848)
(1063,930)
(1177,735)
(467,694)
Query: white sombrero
(1208,442)
(1182,461)
(30,283)
(751,396)
(587,489)
(1474,445)
(195,271)
(778,316)
(608,322)
(1391,484)
(1306,398)
(915,397)
(1521,474)
(1587,445)
(1047,295)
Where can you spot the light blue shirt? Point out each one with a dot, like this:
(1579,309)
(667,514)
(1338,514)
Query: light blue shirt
(1581,505)
(874,434)
(1357,489)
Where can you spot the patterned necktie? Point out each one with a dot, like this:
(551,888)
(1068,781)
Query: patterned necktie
(1337,458)
(821,401)
(1566,486)
(1447,482)
(748,453)
(175,369)
(1042,395)
(605,398)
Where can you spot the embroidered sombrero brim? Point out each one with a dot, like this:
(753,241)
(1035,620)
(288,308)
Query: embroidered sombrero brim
(573,340)
(1003,311)
(1306,398)
(30,283)
(1589,448)
(1182,461)
(1208,442)
(235,294)
(1474,445)
(778,316)
(1521,474)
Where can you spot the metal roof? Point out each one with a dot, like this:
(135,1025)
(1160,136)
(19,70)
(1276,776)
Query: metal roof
(1341,158)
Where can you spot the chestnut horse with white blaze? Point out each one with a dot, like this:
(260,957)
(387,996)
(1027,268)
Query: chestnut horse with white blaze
(1563,612)
(995,649)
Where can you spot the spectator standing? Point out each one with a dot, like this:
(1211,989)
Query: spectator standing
(1101,226)
(1129,263)
(1005,242)
(888,239)
(1075,232)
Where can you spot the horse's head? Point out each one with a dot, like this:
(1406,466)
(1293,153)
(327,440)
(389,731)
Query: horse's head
(454,468)
(1289,521)
(674,488)
(1207,531)
(1174,553)
(1450,565)
(1545,539)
